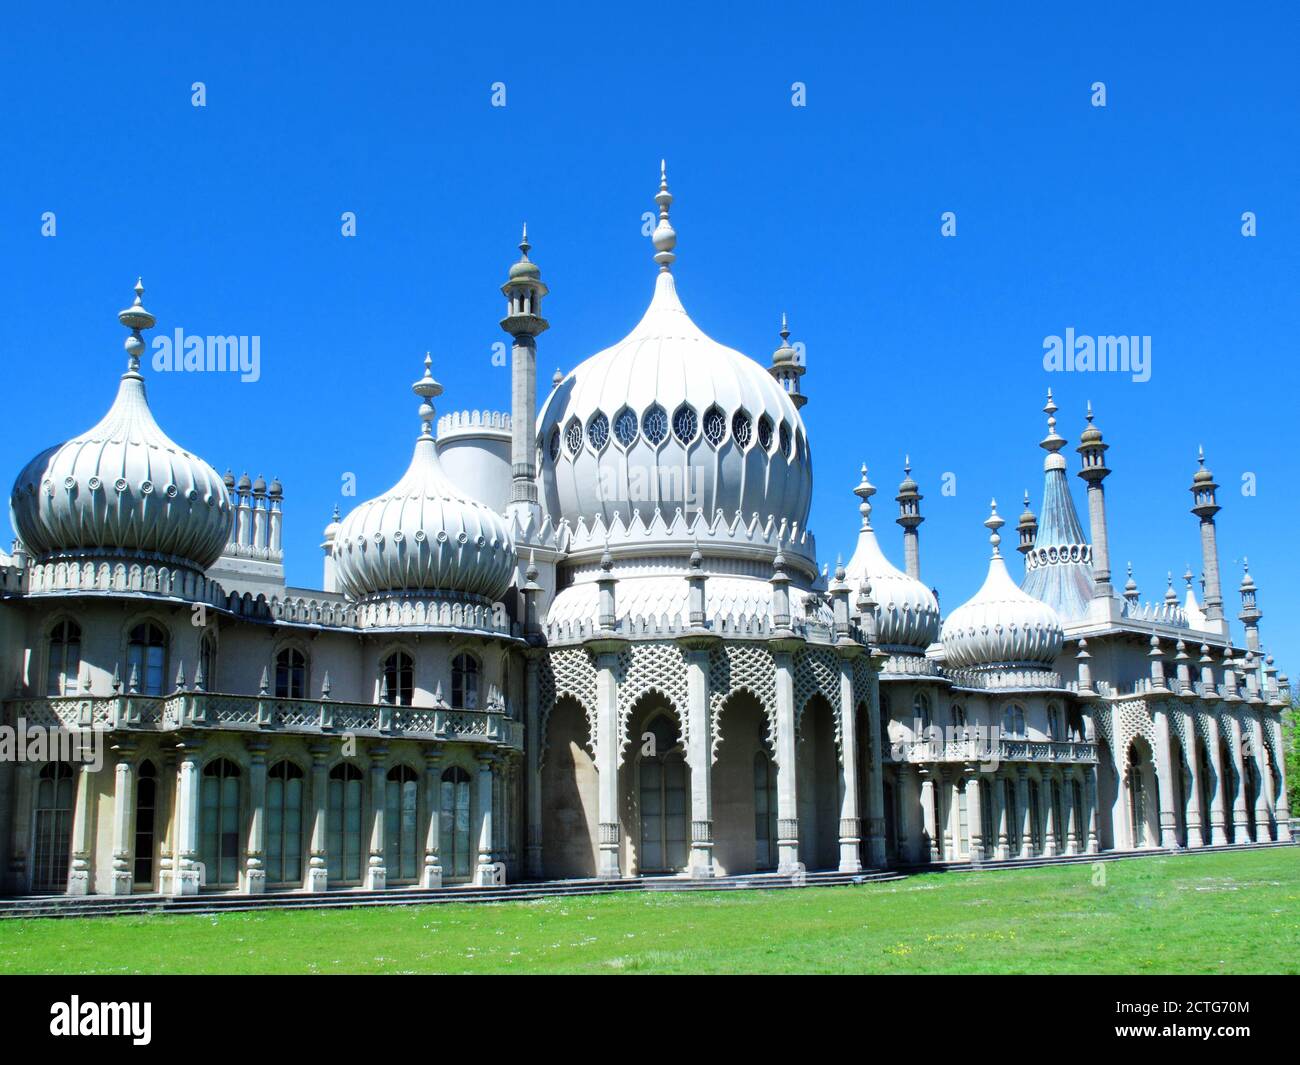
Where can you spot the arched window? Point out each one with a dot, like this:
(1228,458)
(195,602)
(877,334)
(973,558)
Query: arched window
(1013,721)
(401,806)
(146,657)
(464,682)
(921,712)
(64,661)
(554,446)
(52,827)
(685,424)
(598,431)
(783,436)
(208,660)
(1053,722)
(1013,815)
(291,674)
(661,787)
(398,679)
(765,433)
(625,427)
(284,792)
(958,715)
(1076,732)
(573,436)
(344,823)
(654,424)
(715,426)
(220,824)
(146,805)
(765,836)
(454,829)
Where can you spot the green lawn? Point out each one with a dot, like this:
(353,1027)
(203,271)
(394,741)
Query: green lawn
(1207,913)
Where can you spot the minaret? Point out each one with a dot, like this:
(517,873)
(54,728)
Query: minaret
(523,321)
(909,517)
(1092,450)
(1027,527)
(1205,507)
(330,580)
(1250,613)
(786,367)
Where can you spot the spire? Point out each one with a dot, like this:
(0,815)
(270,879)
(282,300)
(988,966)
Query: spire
(993,523)
(1171,596)
(864,491)
(1131,588)
(909,517)
(665,237)
(1053,441)
(786,366)
(1250,612)
(427,389)
(135,318)
(1205,506)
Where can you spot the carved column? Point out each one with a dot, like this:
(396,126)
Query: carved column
(1165,778)
(255,865)
(431,875)
(376,872)
(486,875)
(1090,802)
(1241,826)
(699,754)
(1022,809)
(1219,784)
(787,769)
(927,850)
(1048,810)
(975,814)
(80,871)
(1263,794)
(185,878)
(610,861)
(532,702)
(850,816)
(165,812)
(317,866)
(1195,812)
(123,808)
(875,780)
(1072,811)
(1001,816)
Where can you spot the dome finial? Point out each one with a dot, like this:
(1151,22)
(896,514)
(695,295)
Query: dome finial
(524,246)
(135,318)
(1053,441)
(427,389)
(994,522)
(864,491)
(665,237)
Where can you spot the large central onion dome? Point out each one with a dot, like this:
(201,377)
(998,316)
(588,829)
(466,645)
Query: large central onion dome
(669,419)
(424,534)
(908,613)
(1001,625)
(123,489)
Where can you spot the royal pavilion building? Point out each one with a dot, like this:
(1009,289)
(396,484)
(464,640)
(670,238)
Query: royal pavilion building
(590,637)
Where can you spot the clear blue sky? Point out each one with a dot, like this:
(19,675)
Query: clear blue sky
(1124,220)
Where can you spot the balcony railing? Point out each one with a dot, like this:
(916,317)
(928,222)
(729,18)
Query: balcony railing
(254,713)
(977,749)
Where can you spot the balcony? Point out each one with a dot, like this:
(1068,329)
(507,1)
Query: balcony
(984,749)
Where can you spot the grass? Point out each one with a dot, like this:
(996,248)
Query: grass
(1206,913)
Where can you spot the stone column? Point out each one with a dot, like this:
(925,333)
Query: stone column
(80,871)
(1002,816)
(1283,819)
(165,815)
(1022,808)
(927,848)
(699,754)
(485,875)
(1165,779)
(123,808)
(317,866)
(1218,785)
(975,815)
(875,781)
(850,815)
(787,795)
(1241,827)
(185,877)
(1072,812)
(535,739)
(1090,804)
(609,864)
(376,873)
(1263,796)
(1195,811)
(255,864)
(1048,808)
(431,876)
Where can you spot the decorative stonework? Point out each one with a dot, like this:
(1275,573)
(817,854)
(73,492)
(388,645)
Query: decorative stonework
(817,671)
(567,671)
(735,667)
(644,668)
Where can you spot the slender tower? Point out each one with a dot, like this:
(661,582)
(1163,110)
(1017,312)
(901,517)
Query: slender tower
(523,321)
(909,517)
(1092,450)
(1250,612)
(1204,506)
(787,368)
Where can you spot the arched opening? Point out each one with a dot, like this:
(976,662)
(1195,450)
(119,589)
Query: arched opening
(221,823)
(284,795)
(56,788)
(343,824)
(1013,815)
(454,836)
(1013,721)
(464,682)
(744,789)
(1059,827)
(819,785)
(1205,773)
(401,812)
(1182,790)
(1251,786)
(1143,797)
(1037,838)
(1107,796)
(891,819)
(290,674)
(63,660)
(146,658)
(1228,786)
(570,795)
(662,798)
(146,809)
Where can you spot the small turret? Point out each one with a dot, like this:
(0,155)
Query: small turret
(787,366)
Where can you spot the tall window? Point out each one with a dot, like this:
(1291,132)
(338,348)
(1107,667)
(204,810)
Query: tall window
(64,663)
(1013,818)
(1054,722)
(454,832)
(208,660)
(399,679)
(220,824)
(958,715)
(464,682)
(344,823)
(661,783)
(291,674)
(1035,818)
(921,713)
(284,788)
(146,656)
(401,807)
(146,805)
(1013,721)
(52,827)
(764,812)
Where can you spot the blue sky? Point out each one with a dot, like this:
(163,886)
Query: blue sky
(1117,220)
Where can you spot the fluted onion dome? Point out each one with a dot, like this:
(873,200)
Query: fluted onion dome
(1001,625)
(424,534)
(670,419)
(123,488)
(907,611)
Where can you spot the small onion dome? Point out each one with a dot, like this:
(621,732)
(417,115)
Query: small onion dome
(524,268)
(424,534)
(332,529)
(123,486)
(259,486)
(908,486)
(229,480)
(1202,474)
(1090,435)
(1001,625)
(908,614)
(276,490)
(245,485)
(785,355)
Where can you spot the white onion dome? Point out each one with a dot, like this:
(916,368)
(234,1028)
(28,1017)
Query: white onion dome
(907,612)
(424,534)
(670,419)
(123,489)
(1001,625)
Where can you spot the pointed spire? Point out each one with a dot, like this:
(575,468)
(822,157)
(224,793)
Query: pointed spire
(1053,441)
(264,685)
(1131,588)
(135,318)
(524,246)
(428,389)
(993,523)
(325,686)
(1171,596)
(665,237)
(864,491)
(180,676)
(133,681)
